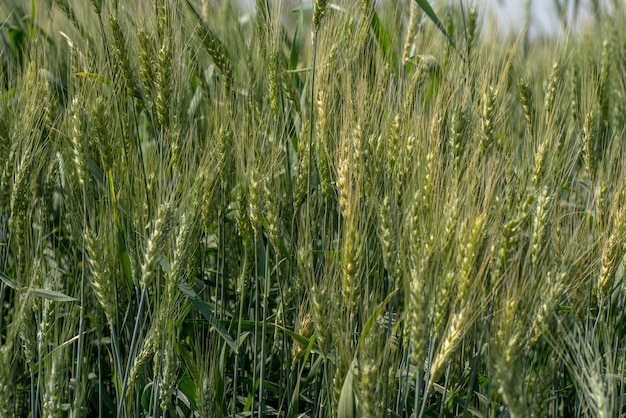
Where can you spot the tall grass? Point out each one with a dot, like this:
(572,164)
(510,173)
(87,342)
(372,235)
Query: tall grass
(208,214)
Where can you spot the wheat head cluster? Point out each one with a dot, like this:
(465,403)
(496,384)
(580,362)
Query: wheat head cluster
(322,209)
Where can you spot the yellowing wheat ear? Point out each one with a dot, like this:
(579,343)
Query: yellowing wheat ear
(411,31)
(206,10)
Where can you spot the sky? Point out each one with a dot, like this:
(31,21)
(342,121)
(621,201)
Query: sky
(544,18)
(510,13)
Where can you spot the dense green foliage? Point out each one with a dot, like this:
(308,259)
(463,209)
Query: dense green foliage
(210,214)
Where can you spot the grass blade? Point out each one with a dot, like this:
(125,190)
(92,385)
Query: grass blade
(8,281)
(384,41)
(425,6)
(373,317)
(346,405)
(208,315)
(295,398)
(53,295)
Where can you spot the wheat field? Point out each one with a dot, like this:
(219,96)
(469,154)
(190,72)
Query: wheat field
(340,209)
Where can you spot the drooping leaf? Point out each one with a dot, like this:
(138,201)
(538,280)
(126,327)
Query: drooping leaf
(53,295)
(206,312)
(297,337)
(36,367)
(8,281)
(425,6)
(373,317)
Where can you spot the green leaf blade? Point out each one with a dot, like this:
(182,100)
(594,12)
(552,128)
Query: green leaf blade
(53,295)
(8,281)
(426,8)
(205,310)
(383,39)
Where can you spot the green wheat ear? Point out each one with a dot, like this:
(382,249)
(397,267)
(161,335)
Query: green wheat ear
(319,13)
(97,6)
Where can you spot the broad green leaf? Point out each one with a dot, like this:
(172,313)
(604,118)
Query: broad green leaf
(249,326)
(373,317)
(242,337)
(8,281)
(35,368)
(53,295)
(189,361)
(384,41)
(145,402)
(205,310)
(312,375)
(296,45)
(346,405)
(96,173)
(299,338)
(187,387)
(425,6)
(17,41)
(33,18)
(308,351)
